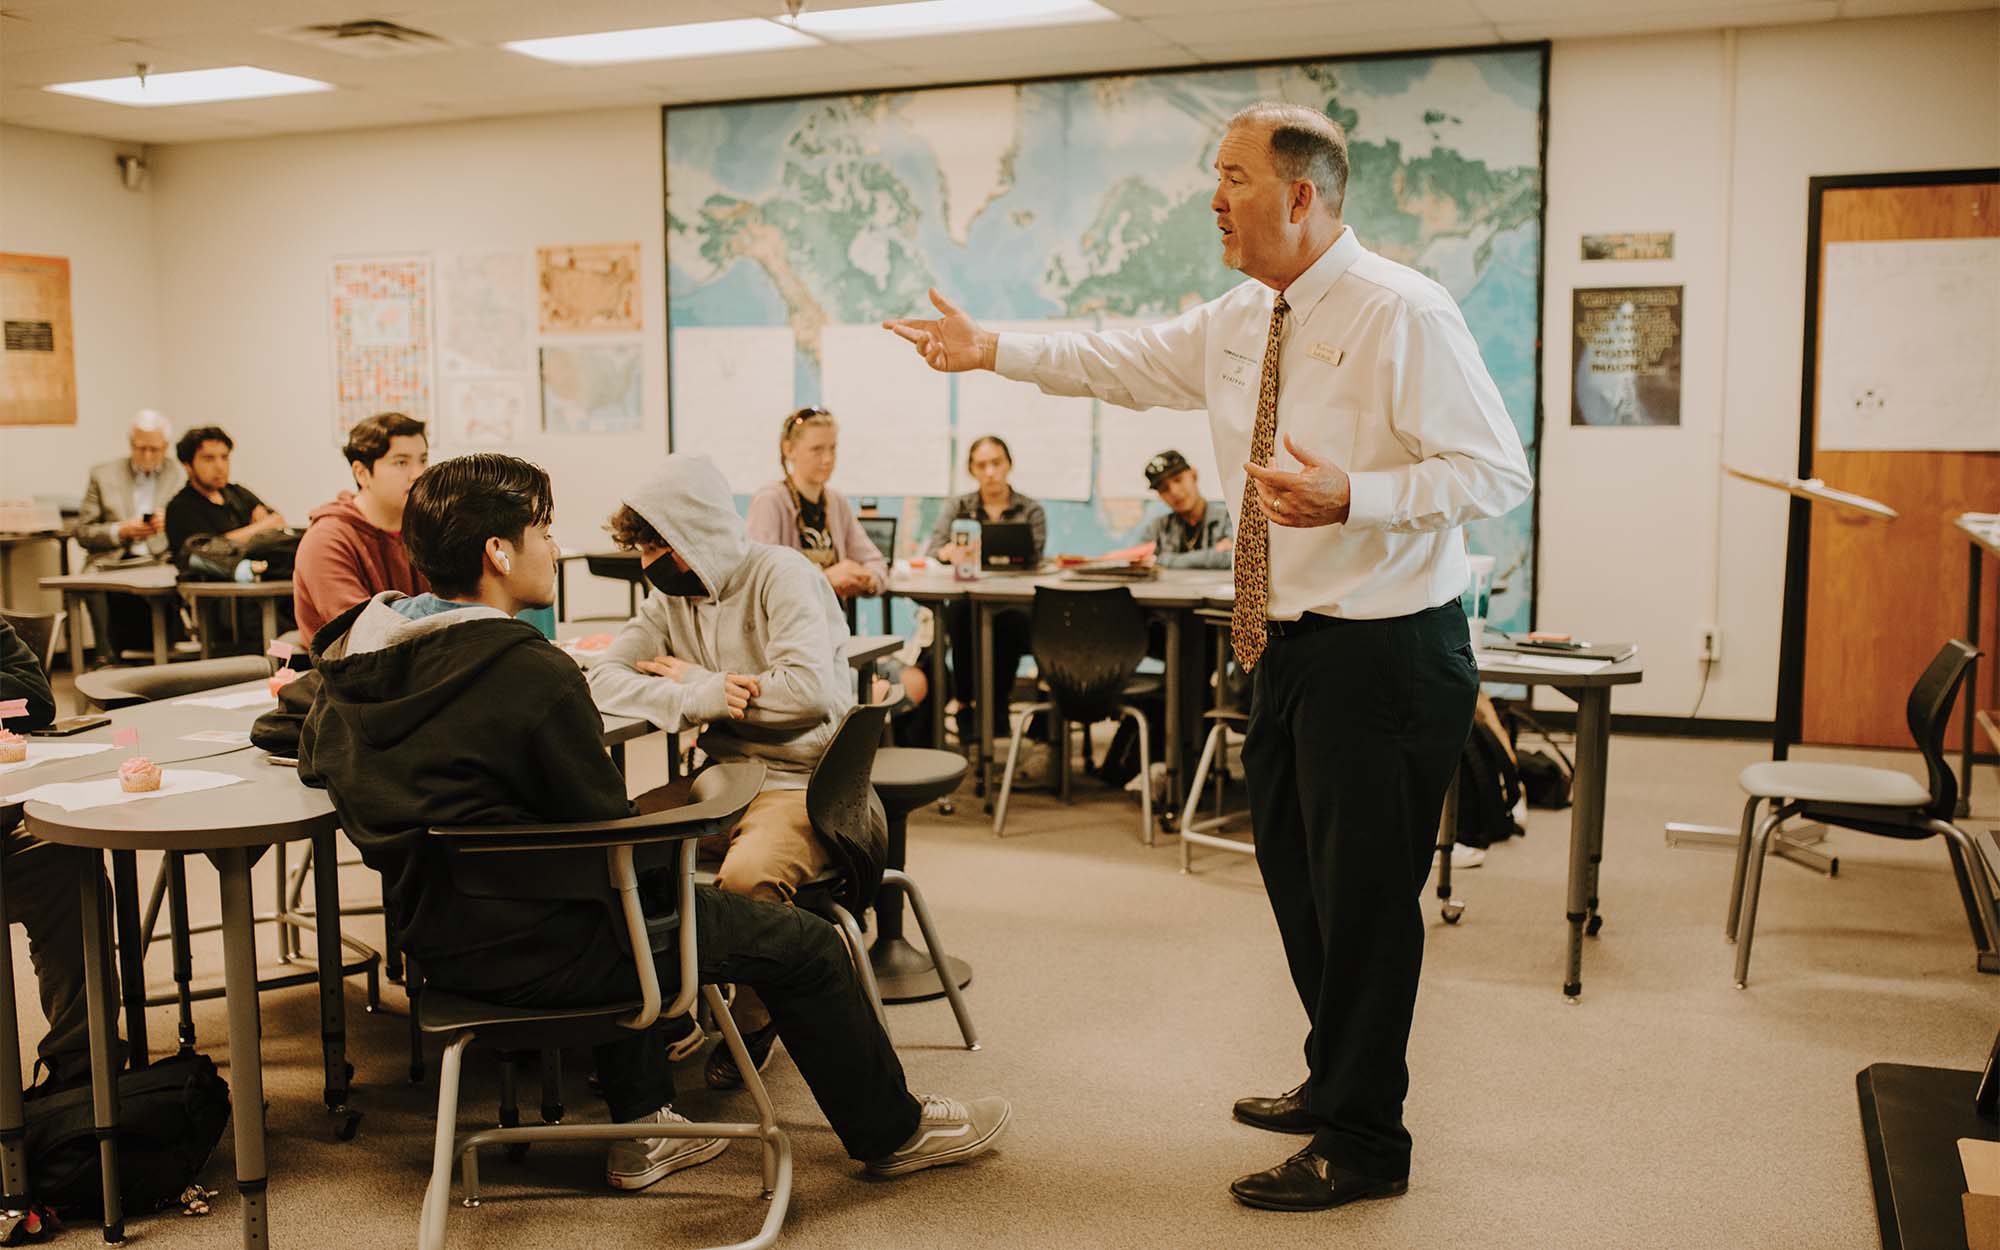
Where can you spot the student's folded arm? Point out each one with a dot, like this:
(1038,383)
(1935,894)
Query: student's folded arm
(622,690)
(796,687)
(1156,366)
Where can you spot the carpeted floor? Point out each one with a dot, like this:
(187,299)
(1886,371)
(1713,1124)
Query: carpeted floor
(1123,1006)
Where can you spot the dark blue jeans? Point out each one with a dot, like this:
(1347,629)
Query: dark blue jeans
(1355,731)
(798,965)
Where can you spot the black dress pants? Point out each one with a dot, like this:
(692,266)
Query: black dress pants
(798,965)
(1355,731)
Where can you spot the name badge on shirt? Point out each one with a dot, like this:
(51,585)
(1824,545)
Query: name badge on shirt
(1327,352)
(1237,368)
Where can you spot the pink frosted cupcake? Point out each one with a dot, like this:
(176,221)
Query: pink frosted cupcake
(282,678)
(138,775)
(13,747)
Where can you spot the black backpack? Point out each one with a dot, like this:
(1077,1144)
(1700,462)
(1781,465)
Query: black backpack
(170,1115)
(1489,786)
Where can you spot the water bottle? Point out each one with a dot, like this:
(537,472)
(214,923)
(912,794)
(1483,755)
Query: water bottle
(965,536)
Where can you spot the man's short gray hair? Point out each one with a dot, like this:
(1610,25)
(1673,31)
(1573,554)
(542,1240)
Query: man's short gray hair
(148,420)
(1305,143)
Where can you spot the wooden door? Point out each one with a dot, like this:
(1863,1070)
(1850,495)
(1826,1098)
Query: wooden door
(1882,596)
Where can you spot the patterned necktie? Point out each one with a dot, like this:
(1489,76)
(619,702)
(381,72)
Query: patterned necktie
(1253,530)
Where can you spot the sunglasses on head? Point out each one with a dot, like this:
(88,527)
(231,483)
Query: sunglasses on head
(806,414)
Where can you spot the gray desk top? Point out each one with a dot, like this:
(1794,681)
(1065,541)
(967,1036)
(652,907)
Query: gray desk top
(1183,588)
(271,807)
(146,579)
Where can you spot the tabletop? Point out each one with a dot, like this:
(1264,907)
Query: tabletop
(255,814)
(144,579)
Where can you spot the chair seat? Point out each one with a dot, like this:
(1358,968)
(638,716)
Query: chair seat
(1833,783)
(448,1013)
(909,777)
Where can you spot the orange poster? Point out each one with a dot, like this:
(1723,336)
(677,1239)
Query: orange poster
(38,365)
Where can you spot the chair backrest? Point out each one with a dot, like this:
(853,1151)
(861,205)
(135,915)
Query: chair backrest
(881,531)
(1087,645)
(840,799)
(1929,713)
(38,630)
(123,687)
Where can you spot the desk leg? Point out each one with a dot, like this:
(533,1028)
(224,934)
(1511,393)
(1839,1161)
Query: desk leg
(1969,699)
(103,1070)
(246,1065)
(177,910)
(332,996)
(160,605)
(1176,729)
(267,618)
(78,615)
(203,620)
(1449,908)
(982,747)
(13,1160)
(1586,827)
(131,952)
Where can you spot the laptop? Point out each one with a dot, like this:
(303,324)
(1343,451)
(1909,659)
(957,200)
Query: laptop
(1007,547)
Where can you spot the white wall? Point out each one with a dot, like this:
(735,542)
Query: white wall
(60,195)
(1641,536)
(251,229)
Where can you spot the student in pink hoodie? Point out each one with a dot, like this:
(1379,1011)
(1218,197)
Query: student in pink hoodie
(353,547)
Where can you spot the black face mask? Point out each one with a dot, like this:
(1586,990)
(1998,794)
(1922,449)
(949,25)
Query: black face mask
(667,578)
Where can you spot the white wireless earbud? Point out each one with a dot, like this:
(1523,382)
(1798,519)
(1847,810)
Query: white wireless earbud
(506,565)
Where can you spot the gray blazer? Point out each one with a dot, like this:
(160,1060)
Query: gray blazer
(107,504)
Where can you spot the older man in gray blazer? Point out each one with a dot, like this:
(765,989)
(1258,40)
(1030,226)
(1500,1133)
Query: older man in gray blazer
(123,512)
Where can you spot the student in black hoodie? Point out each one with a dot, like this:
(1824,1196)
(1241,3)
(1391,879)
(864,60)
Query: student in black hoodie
(40,880)
(445,710)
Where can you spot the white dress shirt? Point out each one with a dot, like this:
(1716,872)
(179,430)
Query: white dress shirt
(1377,373)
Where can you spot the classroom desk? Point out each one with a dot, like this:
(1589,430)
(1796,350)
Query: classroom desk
(933,587)
(1982,540)
(155,583)
(266,595)
(21,538)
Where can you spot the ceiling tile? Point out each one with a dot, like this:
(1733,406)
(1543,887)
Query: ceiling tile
(1339,20)
(1653,20)
(1290,47)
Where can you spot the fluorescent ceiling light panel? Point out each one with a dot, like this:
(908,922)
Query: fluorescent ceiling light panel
(194,86)
(945,17)
(663,43)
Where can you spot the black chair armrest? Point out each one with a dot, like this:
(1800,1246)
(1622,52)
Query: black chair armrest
(720,796)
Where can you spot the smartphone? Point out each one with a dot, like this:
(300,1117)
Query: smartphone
(72,725)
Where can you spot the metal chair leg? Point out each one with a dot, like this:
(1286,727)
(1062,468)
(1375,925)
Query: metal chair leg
(1145,769)
(437,1196)
(857,949)
(936,947)
(1742,863)
(1196,784)
(1021,719)
(1746,925)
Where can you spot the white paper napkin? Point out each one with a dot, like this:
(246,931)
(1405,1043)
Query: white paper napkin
(75,796)
(242,698)
(47,752)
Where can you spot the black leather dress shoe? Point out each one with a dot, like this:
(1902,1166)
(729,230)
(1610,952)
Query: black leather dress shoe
(1306,1182)
(1284,1114)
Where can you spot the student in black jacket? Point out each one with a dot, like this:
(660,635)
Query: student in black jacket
(444,709)
(40,882)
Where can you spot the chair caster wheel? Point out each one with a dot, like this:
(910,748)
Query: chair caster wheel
(947,807)
(1451,912)
(517,1151)
(1591,926)
(468,1203)
(349,1122)
(1572,991)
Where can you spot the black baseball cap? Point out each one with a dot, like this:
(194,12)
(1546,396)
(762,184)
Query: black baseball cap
(1164,466)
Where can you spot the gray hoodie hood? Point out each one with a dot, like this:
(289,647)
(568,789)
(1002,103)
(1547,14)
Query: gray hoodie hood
(688,502)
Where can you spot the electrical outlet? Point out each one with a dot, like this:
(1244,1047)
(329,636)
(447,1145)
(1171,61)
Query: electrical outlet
(1711,645)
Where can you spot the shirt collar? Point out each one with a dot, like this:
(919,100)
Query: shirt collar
(1311,286)
(139,472)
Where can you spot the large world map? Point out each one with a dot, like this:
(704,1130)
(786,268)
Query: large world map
(793,226)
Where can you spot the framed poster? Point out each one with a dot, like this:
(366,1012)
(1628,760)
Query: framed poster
(38,363)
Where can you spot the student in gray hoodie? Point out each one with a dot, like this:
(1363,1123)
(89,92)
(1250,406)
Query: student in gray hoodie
(748,641)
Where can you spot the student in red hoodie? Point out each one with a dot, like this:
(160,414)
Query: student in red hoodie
(353,547)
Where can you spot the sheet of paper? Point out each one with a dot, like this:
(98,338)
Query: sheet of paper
(1981,1160)
(1050,435)
(75,796)
(732,386)
(236,699)
(1570,665)
(48,752)
(894,412)
(1909,360)
(234,737)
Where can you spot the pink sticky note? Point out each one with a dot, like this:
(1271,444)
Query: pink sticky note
(13,707)
(280,650)
(124,737)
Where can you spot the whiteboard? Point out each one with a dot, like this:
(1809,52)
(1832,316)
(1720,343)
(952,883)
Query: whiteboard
(1048,434)
(894,412)
(1909,356)
(732,389)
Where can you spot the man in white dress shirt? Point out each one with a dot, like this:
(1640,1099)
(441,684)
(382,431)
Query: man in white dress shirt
(1349,563)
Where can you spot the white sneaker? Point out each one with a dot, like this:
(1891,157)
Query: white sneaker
(1463,856)
(1037,762)
(638,1163)
(949,1132)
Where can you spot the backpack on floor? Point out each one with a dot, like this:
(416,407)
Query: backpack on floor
(170,1115)
(1489,787)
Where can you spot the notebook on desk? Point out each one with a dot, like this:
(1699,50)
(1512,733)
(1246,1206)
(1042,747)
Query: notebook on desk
(1612,652)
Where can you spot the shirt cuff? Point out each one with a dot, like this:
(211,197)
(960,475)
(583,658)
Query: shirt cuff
(1370,498)
(1015,355)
